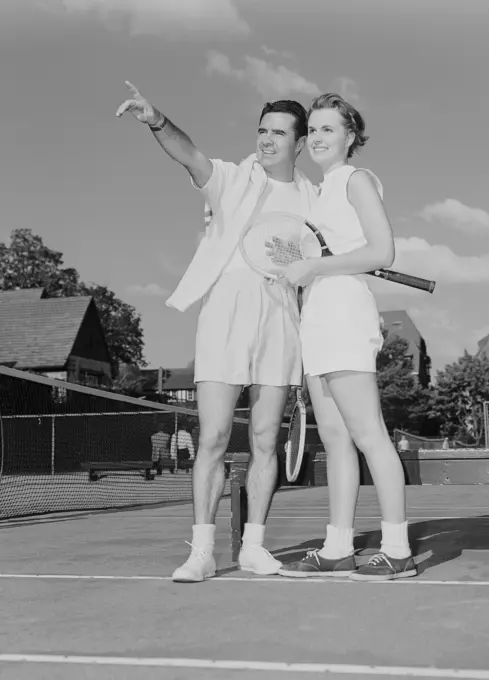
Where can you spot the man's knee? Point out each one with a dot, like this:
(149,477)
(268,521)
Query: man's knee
(213,440)
(267,410)
(265,438)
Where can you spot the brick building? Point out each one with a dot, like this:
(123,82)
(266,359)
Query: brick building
(399,323)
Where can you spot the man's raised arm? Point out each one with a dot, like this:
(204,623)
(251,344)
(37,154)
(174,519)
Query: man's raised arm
(174,141)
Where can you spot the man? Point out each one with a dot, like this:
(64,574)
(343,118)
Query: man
(182,449)
(248,331)
(160,448)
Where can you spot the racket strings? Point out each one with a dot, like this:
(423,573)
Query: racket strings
(283,252)
(272,241)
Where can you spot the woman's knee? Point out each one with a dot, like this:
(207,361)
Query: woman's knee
(370,438)
(335,437)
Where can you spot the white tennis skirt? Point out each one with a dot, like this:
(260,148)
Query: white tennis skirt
(248,333)
(340,326)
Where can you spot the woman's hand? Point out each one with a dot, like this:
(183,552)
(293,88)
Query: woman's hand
(301,273)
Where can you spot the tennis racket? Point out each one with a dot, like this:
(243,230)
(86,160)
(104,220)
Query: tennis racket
(313,244)
(296,436)
(274,226)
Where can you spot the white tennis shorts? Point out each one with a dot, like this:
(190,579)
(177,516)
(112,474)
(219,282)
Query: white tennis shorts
(248,333)
(340,326)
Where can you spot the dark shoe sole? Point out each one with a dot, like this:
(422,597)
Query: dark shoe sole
(315,574)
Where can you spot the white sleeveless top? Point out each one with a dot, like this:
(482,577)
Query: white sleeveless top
(340,326)
(334,215)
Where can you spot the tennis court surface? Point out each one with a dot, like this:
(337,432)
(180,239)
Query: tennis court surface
(86,590)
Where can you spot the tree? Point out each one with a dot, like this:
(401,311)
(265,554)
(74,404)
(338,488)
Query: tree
(461,389)
(28,263)
(121,324)
(405,403)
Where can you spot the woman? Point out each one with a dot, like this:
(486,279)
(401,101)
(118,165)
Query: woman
(341,337)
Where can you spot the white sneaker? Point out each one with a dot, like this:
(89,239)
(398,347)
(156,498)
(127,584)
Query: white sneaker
(199,566)
(258,560)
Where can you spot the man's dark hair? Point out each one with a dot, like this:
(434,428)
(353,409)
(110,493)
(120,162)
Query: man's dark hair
(294,109)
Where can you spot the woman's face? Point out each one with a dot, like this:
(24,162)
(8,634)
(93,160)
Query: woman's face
(328,140)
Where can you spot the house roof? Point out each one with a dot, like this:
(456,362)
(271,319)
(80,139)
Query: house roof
(23,295)
(40,333)
(180,379)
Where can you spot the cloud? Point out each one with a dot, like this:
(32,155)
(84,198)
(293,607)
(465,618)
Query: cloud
(269,80)
(455,214)
(159,16)
(283,54)
(418,257)
(148,290)
(347,88)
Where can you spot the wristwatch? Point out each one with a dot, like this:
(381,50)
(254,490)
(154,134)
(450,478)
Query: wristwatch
(160,124)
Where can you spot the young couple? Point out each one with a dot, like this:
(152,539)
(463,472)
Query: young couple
(249,332)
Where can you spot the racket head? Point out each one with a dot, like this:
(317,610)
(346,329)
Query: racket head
(296,440)
(267,226)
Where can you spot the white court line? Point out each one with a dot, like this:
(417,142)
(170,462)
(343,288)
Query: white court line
(239,579)
(325,517)
(264,666)
(357,519)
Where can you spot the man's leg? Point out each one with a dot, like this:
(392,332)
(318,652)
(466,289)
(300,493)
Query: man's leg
(216,403)
(266,412)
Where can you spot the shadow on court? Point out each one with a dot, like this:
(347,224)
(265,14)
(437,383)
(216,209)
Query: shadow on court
(445,539)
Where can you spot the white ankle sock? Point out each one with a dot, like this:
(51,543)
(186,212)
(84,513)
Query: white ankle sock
(395,541)
(338,543)
(253,534)
(203,536)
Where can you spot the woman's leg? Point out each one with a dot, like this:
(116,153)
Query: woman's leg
(343,467)
(335,558)
(357,398)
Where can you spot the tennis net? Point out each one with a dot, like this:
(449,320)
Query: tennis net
(69,447)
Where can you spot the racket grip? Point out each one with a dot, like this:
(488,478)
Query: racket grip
(404,279)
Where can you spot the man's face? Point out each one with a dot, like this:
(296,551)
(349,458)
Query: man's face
(276,145)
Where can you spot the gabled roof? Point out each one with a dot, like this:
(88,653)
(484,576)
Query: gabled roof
(180,379)
(23,295)
(41,333)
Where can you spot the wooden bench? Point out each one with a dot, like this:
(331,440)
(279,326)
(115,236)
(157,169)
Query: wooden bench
(96,469)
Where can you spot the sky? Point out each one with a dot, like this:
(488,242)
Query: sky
(100,190)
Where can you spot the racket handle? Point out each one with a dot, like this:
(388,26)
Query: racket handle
(404,279)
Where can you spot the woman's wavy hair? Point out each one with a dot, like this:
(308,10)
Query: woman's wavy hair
(352,119)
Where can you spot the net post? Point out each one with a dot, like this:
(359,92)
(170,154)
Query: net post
(239,500)
(175,434)
(53,443)
(486,423)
